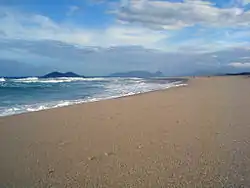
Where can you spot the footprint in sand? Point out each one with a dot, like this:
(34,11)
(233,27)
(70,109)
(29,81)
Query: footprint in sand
(109,153)
(92,158)
(140,146)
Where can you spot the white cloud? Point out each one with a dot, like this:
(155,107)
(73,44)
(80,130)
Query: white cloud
(245,2)
(245,58)
(203,45)
(37,27)
(240,65)
(132,35)
(174,15)
(72,10)
(19,25)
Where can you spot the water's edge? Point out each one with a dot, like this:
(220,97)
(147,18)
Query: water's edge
(175,82)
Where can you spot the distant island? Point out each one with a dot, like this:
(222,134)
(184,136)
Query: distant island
(140,74)
(238,74)
(60,75)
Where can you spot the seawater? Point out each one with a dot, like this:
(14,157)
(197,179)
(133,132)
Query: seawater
(33,94)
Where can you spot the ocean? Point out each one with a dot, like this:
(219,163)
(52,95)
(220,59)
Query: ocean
(23,95)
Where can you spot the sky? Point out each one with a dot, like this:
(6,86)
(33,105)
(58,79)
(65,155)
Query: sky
(100,37)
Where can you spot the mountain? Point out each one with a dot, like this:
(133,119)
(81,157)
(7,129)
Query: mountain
(140,74)
(59,74)
(238,74)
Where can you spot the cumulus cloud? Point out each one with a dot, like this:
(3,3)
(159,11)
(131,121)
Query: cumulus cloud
(161,14)
(240,65)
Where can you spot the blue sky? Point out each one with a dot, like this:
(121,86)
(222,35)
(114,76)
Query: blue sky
(98,37)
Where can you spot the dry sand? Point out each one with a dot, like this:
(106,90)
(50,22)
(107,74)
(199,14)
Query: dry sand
(193,136)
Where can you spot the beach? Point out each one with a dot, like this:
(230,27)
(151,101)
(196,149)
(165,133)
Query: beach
(192,136)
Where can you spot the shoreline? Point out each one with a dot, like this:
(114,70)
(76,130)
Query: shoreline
(183,80)
(194,136)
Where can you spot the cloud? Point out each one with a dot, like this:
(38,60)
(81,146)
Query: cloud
(84,60)
(203,45)
(19,25)
(16,68)
(245,58)
(72,9)
(245,2)
(240,65)
(29,26)
(133,36)
(39,40)
(161,14)
(91,61)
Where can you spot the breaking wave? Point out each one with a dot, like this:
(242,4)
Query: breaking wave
(2,80)
(54,80)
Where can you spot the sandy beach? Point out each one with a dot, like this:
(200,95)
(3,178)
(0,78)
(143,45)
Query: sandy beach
(192,136)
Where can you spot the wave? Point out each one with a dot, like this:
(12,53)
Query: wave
(26,80)
(59,80)
(66,79)
(95,79)
(2,80)
(19,109)
(54,80)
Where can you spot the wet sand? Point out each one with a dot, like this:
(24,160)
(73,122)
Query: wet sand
(193,136)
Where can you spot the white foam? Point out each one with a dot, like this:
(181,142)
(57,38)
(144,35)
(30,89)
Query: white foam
(25,80)
(2,80)
(55,80)
(68,79)
(132,87)
(19,109)
(95,79)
